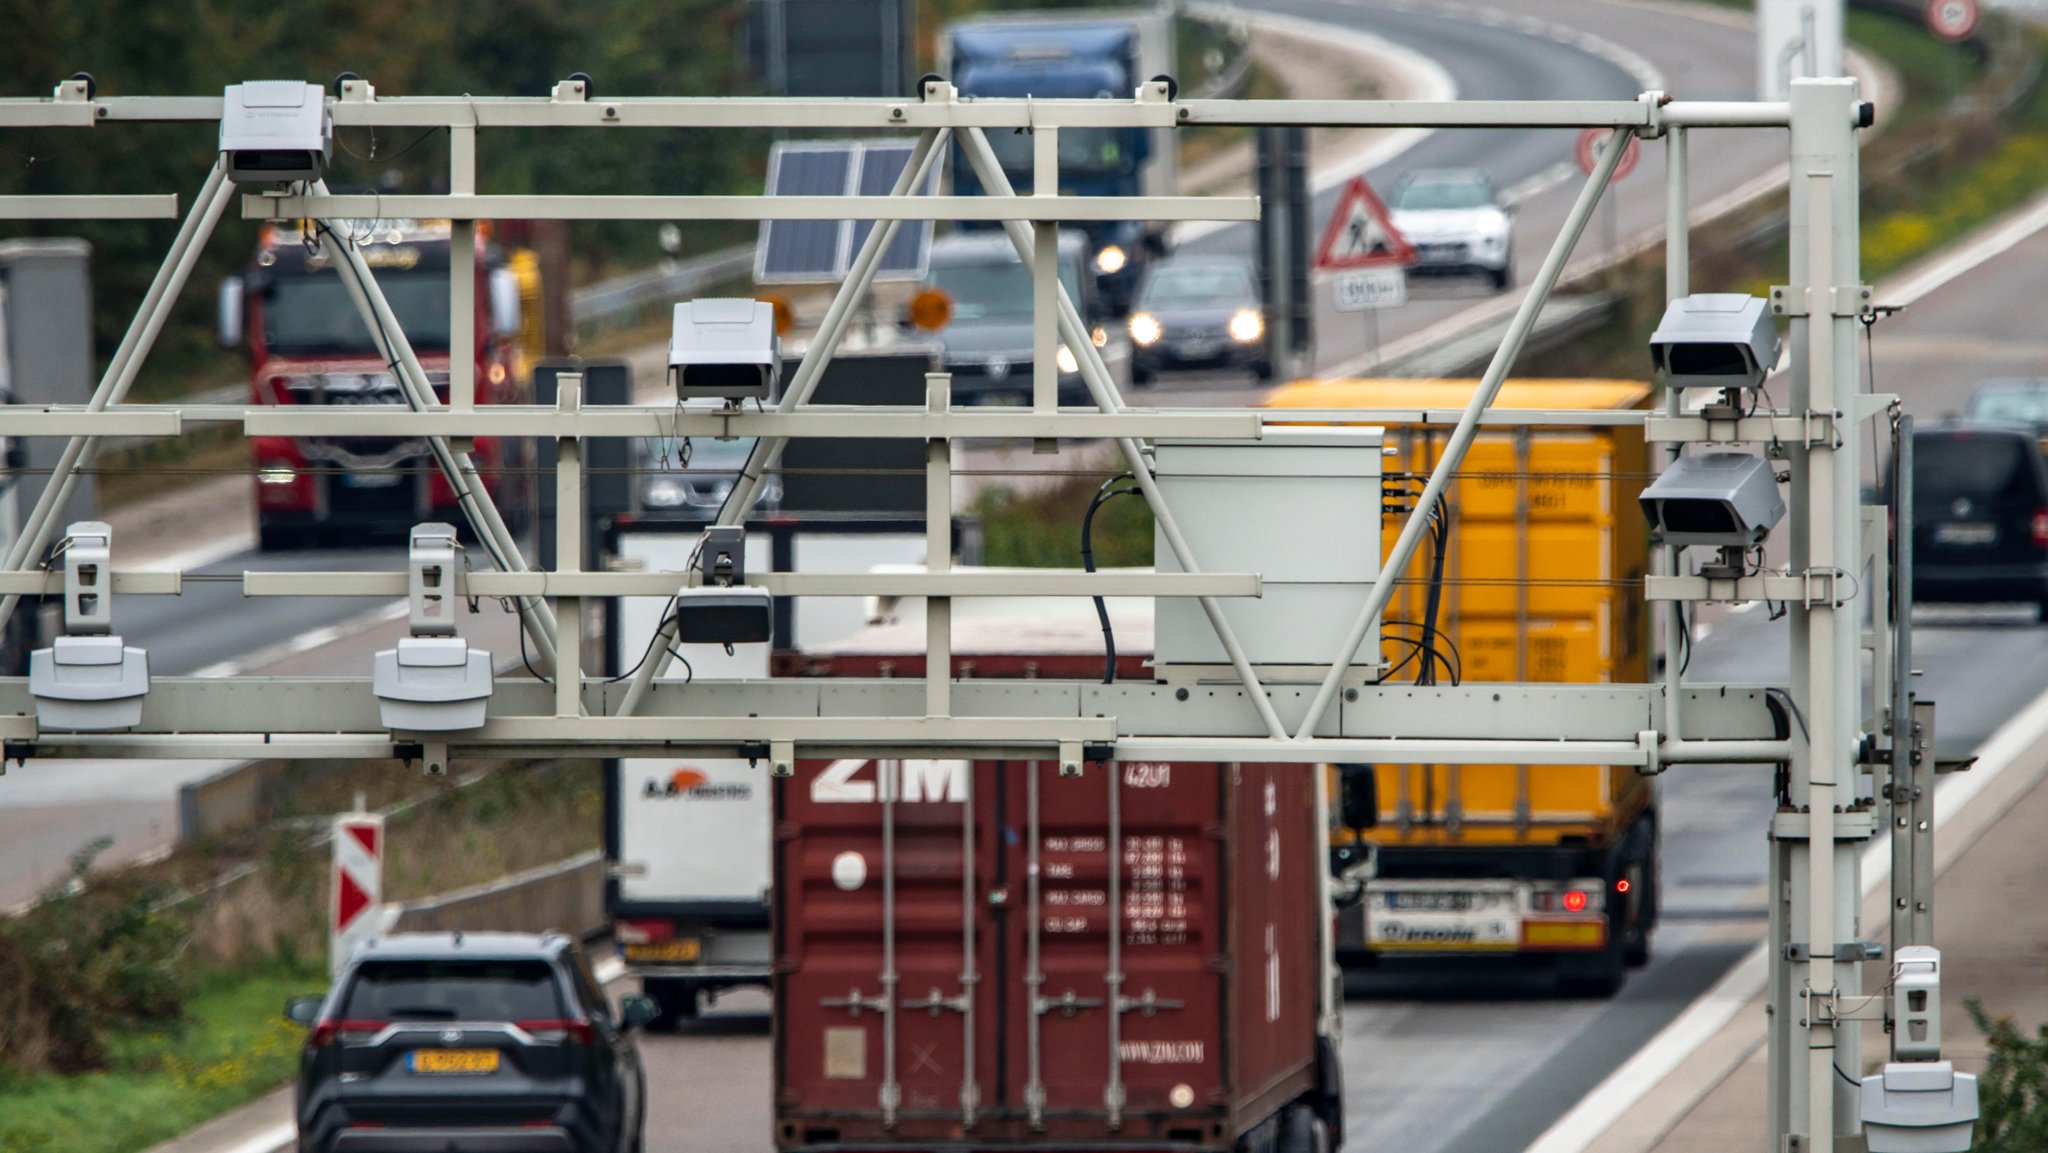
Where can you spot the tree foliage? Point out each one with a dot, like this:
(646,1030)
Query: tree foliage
(2013,1091)
(478,47)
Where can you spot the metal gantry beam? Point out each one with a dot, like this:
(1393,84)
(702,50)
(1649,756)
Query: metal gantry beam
(1265,718)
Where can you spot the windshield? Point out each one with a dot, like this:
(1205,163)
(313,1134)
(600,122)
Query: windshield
(1082,150)
(1976,467)
(2017,405)
(453,991)
(986,291)
(1185,287)
(313,314)
(1428,195)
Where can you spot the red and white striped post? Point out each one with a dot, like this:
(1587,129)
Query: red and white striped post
(357,890)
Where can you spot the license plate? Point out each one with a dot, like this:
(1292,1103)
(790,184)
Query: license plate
(452,1061)
(1433,902)
(1965,533)
(681,951)
(1199,347)
(370,479)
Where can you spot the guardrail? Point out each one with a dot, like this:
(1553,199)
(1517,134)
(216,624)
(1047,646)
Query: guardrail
(567,896)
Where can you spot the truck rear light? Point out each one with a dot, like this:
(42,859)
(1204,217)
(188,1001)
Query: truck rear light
(1621,886)
(643,932)
(1575,901)
(2040,527)
(554,1031)
(349,1031)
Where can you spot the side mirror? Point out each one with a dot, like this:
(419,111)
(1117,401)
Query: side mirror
(637,1012)
(303,1010)
(1358,802)
(504,294)
(228,324)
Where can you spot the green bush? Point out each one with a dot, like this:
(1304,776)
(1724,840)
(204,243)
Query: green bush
(2012,1094)
(86,965)
(1042,529)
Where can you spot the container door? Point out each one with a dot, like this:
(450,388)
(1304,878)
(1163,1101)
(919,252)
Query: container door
(1115,991)
(883,1005)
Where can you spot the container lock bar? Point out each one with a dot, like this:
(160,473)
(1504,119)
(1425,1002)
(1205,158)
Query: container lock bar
(854,1003)
(1067,1004)
(1149,1004)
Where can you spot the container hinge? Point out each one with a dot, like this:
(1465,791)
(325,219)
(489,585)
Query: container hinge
(1149,1004)
(1067,1004)
(854,1003)
(936,1002)
(1847,952)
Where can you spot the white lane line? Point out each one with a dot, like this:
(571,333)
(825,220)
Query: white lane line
(307,641)
(1639,1075)
(199,556)
(1538,184)
(1967,256)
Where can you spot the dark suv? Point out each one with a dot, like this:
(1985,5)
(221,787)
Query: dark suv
(1980,515)
(469,1043)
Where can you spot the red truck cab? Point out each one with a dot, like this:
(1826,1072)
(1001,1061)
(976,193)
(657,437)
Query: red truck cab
(307,344)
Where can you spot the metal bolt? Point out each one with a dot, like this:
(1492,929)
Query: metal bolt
(1180,694)
(1350,694)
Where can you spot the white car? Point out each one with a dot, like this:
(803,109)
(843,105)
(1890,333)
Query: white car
(1456,223)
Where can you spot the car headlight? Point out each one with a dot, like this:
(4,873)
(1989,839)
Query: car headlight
(663,494)
(1099,336)
(1065,359)
(1111,259)
(1246,326)
(1145,329)
(277,476)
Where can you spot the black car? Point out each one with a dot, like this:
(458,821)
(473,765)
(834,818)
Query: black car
(1980,516)
(1199,310)
(473,1043)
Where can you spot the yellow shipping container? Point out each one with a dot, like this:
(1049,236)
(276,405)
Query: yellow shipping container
(1547,550)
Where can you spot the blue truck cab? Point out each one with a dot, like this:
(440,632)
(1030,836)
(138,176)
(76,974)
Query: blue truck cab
(1068,57)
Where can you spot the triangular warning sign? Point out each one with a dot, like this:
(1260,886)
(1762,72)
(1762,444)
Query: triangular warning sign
(1361,235)
(349,900)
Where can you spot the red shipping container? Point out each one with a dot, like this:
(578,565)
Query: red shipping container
(989,955)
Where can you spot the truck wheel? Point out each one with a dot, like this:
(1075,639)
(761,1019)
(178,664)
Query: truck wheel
(1647,882)
(675,1002)
(1301,1131)
(1597,976)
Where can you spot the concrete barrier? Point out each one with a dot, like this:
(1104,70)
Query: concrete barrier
(567,895)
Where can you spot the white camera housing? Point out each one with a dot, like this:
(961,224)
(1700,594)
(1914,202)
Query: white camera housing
(725,349)
(88,681)
(90,684)
(1719,499)
(433,682)
(1715,340)
(1919,1107)
(432,685)
(275,131)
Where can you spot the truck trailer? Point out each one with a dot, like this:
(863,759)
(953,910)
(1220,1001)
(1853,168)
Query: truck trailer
(1551,867)
(990,955)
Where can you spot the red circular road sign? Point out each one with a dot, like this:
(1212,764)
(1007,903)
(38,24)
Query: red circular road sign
(1952,19)
(1592,140)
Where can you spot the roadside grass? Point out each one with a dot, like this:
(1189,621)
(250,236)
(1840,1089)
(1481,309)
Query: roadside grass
(232,1046)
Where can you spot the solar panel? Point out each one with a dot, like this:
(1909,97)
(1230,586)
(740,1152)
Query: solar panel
(820,251)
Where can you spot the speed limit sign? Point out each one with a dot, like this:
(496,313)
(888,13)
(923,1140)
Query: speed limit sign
(1952,19)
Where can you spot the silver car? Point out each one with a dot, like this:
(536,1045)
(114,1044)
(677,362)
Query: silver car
(701,486)
(1456,223)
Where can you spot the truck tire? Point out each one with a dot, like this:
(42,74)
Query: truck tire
(1599,975)
(1302,1131)
(675,1001)
(1647,873)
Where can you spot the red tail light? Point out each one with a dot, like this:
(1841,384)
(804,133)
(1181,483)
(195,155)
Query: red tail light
(344,1032)
(1575,901)
(643,932)
(554,1031)
(1621,886)
(2041,528)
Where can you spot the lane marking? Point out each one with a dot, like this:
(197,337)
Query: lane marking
(1599,1110)
(307,641)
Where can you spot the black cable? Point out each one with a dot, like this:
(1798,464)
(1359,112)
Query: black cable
(1441,530)
(1684,640)
(1792,707)
(530,670)
(645,653)
(689,672)
(1102,495)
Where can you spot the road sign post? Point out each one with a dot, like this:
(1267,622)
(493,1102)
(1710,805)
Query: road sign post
(1366,257)
(356,890)
(1591,142)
